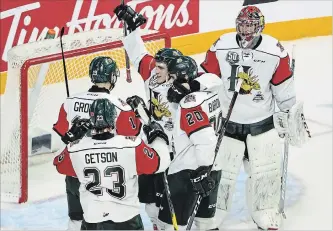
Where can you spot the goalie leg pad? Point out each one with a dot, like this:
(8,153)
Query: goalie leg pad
(229,160)
(263,187)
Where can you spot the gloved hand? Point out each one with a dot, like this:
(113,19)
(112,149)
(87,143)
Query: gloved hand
(77,131)
(134,101)
(132,18)
(179,90)
(202,182)
(154,130)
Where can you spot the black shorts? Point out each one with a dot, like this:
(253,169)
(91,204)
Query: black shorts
(133,224)
(183,198)
(151,188)
(75,211)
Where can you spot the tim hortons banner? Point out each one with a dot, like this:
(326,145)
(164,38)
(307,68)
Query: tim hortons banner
(24,21)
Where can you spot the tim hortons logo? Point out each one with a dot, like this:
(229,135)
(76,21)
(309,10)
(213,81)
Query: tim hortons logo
(24,21)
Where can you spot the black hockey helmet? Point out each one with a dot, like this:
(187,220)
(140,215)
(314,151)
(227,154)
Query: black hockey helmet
(103,69)
(102,114)
(166,55)
(185,68)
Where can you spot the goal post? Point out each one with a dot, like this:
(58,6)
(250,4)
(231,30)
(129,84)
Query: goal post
(35,90)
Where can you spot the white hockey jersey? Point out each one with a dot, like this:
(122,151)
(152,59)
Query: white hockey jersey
(197,121)
(107,170)
(78,105)
(266,75)
(161,109)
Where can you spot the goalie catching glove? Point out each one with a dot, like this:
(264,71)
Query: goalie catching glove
(292,125)
(202,182)
(78,130)
(132,18)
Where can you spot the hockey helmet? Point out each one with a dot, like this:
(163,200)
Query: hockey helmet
(102,114)
(185,69)
(103,69)
(166,55)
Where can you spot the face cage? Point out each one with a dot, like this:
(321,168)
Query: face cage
(249,36)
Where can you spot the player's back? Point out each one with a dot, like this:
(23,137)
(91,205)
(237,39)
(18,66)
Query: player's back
(197,111)
(79,104)
(108,175)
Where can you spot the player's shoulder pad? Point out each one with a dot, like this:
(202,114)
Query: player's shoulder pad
(225,41)
(120,103)
(193,99)
(272,46)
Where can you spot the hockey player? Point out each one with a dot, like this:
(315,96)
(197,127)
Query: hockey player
(263,64)
(107,166)
(155,72)
(103,72)
(197,120)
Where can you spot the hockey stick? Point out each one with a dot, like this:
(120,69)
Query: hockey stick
(63,60)
(146,120)
(286,155)
(128,65)
(217,148)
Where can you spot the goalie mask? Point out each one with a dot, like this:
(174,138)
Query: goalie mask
(103,69)
(102,114)
(250,22)
(183,69)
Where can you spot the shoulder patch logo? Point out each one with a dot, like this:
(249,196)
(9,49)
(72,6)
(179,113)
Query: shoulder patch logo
(189,98)
(61,157)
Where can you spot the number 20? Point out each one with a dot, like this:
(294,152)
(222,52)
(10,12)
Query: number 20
(192,117)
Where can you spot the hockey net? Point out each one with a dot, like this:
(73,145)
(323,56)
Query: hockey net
(35,90)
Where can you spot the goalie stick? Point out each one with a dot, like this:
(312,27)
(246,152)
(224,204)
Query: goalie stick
(63,60)
(286,154)
(217,148)
(145,118)
(128,70)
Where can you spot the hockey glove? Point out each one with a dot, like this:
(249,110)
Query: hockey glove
(179,90)
(202,182)
(78,130)
(154,130)
(132,18)
(134,101)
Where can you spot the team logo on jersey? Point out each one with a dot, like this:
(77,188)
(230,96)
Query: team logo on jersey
(160,108)
(232,57)
(250,82)
(247,55)
(258,97)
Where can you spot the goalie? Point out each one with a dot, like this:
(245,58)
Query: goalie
(263,64)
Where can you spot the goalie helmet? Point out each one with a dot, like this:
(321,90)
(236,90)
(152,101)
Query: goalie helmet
(103,69)
(102,114)
(250,22)
(184,68)
(166,55)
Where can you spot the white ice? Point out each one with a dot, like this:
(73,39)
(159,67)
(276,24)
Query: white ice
(309,184)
